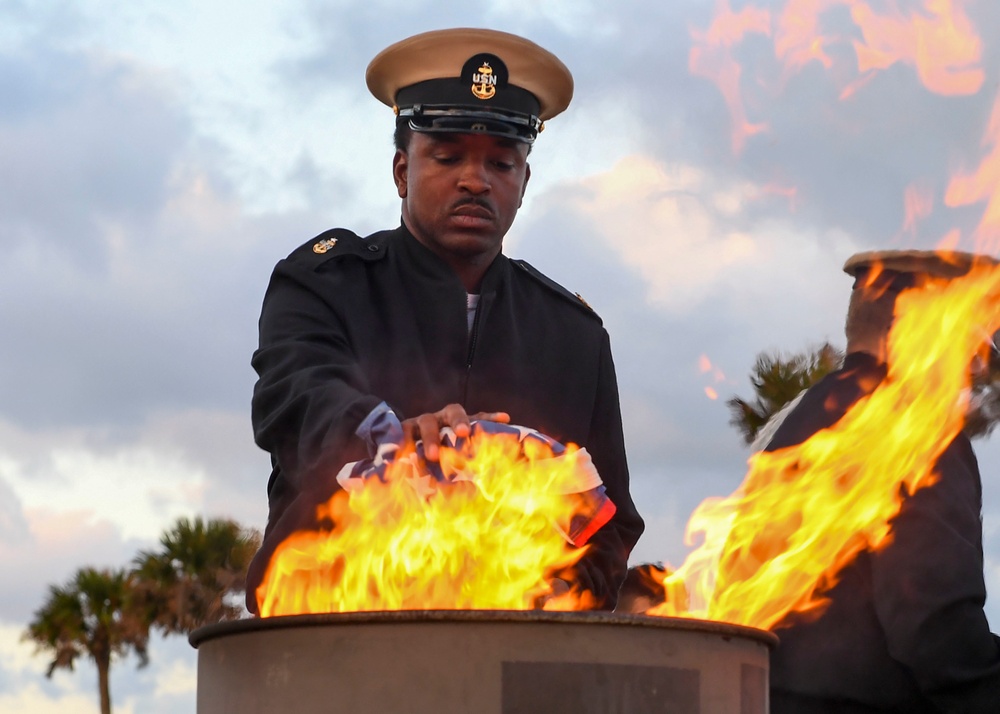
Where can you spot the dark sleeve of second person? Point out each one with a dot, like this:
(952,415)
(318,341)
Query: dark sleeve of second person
(929,589)
(602,569)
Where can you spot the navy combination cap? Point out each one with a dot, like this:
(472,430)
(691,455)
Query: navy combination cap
(468,80)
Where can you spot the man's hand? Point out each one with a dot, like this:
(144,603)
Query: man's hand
(427,427)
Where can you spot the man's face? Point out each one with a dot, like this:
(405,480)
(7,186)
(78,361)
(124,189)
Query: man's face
(461,192)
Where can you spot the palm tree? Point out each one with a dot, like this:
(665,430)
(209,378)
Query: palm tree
(94,614)
(776,381)
(198,574)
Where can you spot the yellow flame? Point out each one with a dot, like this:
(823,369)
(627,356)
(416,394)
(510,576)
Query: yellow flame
(410,543)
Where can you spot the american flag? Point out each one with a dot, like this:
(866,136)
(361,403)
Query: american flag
(588,506)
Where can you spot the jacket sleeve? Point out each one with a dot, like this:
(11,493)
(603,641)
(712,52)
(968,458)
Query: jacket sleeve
(311,394)
(929,589)
(603,567)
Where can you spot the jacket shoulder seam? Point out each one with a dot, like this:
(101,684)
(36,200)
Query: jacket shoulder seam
(574,298)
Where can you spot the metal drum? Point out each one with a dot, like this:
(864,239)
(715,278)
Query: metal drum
(482,662)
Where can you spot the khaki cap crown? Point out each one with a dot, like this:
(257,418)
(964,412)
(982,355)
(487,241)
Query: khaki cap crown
(471,80)
(442,53)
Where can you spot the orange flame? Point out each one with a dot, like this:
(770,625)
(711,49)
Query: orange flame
(798,40)
(803,512)
(711,57)
(854,87)
(489,540)
(918,203)
(983,184)
(705,366)
(942,45)
(939,41)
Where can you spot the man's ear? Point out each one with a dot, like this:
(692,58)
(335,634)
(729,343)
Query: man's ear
(400,166)
(524,186)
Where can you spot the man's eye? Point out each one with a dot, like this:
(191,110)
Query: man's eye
(445,159)
(504,165)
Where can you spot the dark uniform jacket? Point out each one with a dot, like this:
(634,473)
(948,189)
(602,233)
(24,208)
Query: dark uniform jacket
(905,629)
(383,318)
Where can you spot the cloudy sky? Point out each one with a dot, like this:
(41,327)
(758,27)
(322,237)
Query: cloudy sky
(702,192)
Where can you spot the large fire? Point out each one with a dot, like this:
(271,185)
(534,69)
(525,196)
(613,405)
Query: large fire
(489,538)
(803,512)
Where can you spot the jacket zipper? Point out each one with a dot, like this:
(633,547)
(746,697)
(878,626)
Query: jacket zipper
(472,350)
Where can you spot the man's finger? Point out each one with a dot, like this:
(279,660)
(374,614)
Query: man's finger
(499,417)
(429,426)
(454,416)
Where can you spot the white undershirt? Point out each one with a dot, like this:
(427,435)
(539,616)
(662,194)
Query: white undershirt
(471,303)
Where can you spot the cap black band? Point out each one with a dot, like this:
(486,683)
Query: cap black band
(460,104)
(443,118)
(455,92)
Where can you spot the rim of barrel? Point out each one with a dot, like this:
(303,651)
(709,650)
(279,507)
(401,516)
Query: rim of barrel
(255,624)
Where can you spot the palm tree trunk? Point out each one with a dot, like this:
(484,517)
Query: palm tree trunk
(103,685)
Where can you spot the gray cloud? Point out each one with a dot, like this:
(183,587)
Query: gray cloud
(57,546)
(88,140)
(13,525)
(344,41)
(220,443)
(135,274)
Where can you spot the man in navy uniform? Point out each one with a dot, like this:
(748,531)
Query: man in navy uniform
(904,629)
(431,320)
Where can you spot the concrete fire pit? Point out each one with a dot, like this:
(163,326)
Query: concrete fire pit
(486,662)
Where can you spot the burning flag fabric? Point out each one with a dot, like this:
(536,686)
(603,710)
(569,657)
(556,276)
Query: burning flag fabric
(591,507)
(487,526)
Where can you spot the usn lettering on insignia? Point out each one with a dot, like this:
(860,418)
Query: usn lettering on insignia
(324,245)
(484,82)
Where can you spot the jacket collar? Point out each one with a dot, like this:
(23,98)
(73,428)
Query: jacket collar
(430,267)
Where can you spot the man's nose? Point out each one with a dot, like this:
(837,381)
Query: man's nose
(474,177)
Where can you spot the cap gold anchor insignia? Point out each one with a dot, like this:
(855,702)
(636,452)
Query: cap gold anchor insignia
(484,84)
(324,245)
